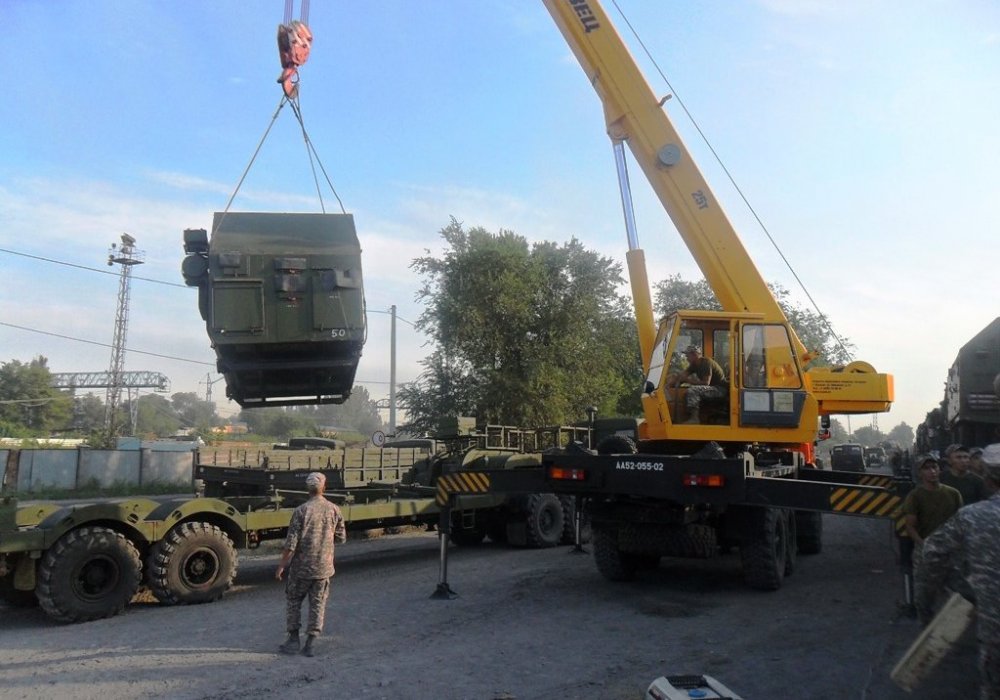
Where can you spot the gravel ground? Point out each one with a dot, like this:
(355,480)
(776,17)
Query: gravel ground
(527,624)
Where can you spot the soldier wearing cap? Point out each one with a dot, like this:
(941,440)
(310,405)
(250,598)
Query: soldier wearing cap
(705,379)
(928,505)
(308,558)
(976,462)
(959,476)
(968,545)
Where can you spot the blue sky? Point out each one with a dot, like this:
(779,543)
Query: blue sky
(863,133)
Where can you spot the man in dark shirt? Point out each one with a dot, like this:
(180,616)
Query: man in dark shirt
(705,379)
(958,476)
(308,557)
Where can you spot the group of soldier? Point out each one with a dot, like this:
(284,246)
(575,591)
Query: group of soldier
(953,521)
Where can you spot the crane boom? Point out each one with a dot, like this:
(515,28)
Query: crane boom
(635,116)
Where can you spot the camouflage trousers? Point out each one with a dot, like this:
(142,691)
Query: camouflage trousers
(698,392)
(296,590)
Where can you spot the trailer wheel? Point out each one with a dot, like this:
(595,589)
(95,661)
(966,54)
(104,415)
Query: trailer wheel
(544,520)
(90,573)
(809,531)
(194,563)
(569,522)
(612,562)
(15,597)
(764,549)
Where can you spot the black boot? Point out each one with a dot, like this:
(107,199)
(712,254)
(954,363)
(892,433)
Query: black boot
(291,645)
(307,650)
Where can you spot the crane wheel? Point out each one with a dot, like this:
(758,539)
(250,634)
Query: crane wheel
(764,548)
(88,574)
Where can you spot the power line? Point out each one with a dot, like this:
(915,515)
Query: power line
(106,345)
(91,269)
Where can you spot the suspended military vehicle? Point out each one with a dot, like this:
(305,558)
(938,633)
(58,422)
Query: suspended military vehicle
(283,301)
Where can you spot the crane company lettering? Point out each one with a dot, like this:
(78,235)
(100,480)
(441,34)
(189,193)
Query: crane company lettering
(586,15)
(639,466)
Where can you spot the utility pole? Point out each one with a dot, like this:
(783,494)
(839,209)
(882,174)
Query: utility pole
(128,257)
(208,385)
(392,374)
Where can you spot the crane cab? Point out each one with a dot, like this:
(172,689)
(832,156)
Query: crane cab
(764,400)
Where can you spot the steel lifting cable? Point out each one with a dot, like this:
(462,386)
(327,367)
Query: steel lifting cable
(732,180)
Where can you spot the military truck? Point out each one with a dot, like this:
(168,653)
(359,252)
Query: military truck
(85,561)
(969,413)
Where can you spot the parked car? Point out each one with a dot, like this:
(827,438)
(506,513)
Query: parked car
(848,458)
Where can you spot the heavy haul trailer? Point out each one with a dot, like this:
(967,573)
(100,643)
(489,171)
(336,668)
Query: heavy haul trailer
(84,561)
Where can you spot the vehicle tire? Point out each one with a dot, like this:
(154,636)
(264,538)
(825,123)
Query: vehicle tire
(792,541)
(544,522)
(616,445)
(195,563)
(467,536)
(693,541)
(809,531)
(764,548)
(15,597)
(569,522)
(612,563)
(88,574)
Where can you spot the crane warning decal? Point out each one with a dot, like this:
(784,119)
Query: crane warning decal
(466,482)
(864,502)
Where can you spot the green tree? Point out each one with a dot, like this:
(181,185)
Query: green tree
(28,402)
(156,416)
(868,436)
(277,422)
(88,414)
(902,435)
(812,328)
(194,412)
(358,413)
(522,334)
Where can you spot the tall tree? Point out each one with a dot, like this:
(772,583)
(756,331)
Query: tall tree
(902,435)
(156,416)
(195,412)
(812,328)
(28,402)
(523,334)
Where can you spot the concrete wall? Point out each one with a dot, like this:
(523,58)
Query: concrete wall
(72,469)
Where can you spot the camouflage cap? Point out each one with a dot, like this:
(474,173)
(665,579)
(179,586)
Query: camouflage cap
(923,459)
(955,448)
(975,451)
(315,479)
(692,348)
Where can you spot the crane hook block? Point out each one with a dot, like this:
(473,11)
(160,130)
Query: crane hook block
(294,43)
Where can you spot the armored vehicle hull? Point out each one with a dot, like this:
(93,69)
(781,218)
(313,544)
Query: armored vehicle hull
(283,301)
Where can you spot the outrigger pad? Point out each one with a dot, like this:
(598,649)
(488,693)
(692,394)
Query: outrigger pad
(283,301)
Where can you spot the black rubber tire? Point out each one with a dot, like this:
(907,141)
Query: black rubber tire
(809,531)
(616,445)
(569,522)
(88,574)
(467,536)
(612,563)
(544,520)
(764,548)
(195,563)
(14,596)
(792,540)
(693,541)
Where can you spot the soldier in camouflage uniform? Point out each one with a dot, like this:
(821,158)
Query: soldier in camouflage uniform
(969,544)
(308,557)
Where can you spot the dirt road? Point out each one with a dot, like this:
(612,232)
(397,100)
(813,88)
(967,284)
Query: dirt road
(528,624)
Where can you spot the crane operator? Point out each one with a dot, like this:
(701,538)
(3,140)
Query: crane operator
(706,380)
